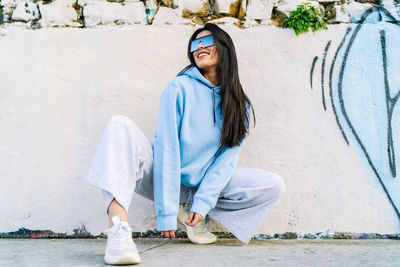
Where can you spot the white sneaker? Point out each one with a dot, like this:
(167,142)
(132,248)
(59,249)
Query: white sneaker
(198,234)
(120,246)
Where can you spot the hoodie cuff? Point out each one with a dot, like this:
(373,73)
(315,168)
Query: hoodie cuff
(166,223)
(201,207)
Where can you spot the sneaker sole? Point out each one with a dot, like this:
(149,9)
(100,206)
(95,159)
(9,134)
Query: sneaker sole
(192,237)
(121,260)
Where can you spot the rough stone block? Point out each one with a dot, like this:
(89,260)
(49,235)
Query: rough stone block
(8,8)
(167,16)
(60,13)
(289,2)
(25,11)
(224,6)
(151,10)
(166,3)
(259,9)
(98,12)
(234,8)
(278,18)
(329,10)
(350,13)
(367,1)
(226,20)
(252,23)
(197,20)
(192,6)
(288,6)
(243,9)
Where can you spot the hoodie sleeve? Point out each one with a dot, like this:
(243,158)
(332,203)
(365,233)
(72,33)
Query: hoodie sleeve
(215,180)
(166,165)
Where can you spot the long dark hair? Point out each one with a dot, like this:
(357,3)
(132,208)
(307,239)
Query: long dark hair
(235,125)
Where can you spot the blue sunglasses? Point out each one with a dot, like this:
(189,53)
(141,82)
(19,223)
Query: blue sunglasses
(207,40)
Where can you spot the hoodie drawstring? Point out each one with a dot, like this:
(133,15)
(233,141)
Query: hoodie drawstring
(214,111)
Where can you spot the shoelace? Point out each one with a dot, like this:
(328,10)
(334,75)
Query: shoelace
(120,233)
(209,224)
(205,226)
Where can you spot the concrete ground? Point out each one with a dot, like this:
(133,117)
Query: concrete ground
(180,252)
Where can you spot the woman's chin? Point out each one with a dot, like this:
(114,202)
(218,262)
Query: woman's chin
(203,66)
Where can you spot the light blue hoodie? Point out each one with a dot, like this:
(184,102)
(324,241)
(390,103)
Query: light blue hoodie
(186,146)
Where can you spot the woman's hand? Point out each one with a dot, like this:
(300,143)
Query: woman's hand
(194,218)
(169,234)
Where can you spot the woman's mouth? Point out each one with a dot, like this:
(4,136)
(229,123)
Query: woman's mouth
(202,54)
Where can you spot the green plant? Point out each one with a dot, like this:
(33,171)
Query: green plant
(304,17)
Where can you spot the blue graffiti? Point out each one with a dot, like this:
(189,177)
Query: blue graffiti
(364,89)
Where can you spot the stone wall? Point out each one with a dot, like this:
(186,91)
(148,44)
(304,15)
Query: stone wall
(242,13)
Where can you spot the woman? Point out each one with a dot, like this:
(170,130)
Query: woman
(203,119)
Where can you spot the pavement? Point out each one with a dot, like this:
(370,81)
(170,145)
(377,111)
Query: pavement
(226,252)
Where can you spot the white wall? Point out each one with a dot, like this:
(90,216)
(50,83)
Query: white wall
(59,86)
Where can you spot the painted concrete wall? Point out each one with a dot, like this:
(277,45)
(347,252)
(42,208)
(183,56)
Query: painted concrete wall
(59,86)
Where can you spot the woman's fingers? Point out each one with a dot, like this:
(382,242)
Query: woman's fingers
(197,218)
(189,220)
(165,233)
(169,234)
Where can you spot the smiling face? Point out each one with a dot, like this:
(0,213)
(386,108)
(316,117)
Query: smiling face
(206,58)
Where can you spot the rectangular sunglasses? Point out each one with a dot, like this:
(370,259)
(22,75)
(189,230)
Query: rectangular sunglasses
(207,40)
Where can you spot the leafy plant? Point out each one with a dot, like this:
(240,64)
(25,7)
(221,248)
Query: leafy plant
(304,17)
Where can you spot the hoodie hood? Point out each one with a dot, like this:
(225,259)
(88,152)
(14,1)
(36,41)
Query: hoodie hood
(194,73)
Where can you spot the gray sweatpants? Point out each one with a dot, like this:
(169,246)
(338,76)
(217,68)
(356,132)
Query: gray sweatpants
(123,164)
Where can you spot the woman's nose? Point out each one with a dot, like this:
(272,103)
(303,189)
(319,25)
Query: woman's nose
(200,45)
